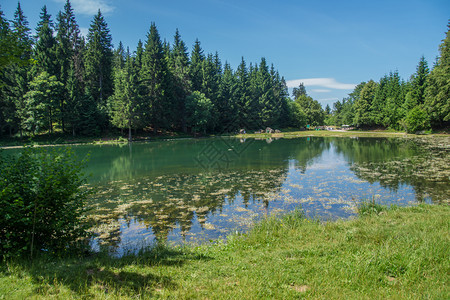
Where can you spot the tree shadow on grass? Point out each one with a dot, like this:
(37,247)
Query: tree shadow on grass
(133,275)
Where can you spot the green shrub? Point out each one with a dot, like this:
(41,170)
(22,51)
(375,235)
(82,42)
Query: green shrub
(417,120)
(366,208)
(42,203)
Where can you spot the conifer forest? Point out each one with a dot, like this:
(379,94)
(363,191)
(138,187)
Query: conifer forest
(57,80)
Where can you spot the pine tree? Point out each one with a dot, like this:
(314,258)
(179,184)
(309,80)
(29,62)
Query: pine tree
(418,85)
(17,74)
(242,94)
(267,103)
(179,66)
(210,87)
(195,71)
(154,77)
(22,32)
(226,102)
(69,57)
(45,49)
(125,110)
(119,57)
(99,60)
(437,93)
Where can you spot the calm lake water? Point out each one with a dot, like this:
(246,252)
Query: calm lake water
(203,189)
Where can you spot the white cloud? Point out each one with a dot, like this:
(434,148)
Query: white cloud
(84,31)
(90,7)
(320,91)
(328,100)
(329,83)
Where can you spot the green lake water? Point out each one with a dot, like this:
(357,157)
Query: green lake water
(198,190)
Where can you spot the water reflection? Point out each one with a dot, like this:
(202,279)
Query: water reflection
(196,190)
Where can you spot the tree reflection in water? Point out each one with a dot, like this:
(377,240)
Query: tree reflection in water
(158,192)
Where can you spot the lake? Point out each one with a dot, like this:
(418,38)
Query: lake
(197,190)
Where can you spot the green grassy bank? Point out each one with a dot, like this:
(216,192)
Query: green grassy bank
(400,253)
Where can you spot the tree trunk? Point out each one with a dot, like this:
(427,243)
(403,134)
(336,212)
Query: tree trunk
(129,132)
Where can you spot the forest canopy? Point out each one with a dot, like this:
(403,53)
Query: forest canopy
(60,81)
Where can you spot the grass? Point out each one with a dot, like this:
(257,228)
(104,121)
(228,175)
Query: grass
(396,253)
(327,133)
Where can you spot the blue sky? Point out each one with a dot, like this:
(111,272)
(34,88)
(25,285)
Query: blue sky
(328,45)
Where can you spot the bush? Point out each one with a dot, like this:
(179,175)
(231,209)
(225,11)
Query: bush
(42,203)
(417,120)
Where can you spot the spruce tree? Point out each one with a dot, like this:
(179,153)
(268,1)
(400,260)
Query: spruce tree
(155,82)
(242,94)
(18,74)
(226,101)
(266,101)
(68,55)
(99,60)
(45,49)
(22,32)
(195,71)
(179,66)
(437,93)
(210,88)
(125,110)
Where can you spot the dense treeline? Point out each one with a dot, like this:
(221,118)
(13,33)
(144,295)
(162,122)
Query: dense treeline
(421,103)
(57,80)
(60,80)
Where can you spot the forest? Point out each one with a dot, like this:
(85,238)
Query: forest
(59,81)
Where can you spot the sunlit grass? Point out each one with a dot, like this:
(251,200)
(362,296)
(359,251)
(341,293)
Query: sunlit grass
(397,254)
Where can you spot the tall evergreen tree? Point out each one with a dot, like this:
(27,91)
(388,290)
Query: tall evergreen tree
(418,85)
(179,66)
(242,93)
(119,57)
(45,49)
(195,71)
(298,91)
(154,76)
(22,32)
(69,56)
(267,102)
(437,93)
(99,60)
(18,74)
(210,87)
(125,103)
(226,102)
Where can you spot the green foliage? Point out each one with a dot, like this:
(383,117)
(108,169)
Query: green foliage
(437,93)
(198,109)
(400,254)
(417,120)
(314,112)
(98,60)
(41,202)
(363,104)
(42,103)
(367,208)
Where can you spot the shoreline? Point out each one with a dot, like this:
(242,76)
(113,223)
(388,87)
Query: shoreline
(288,134)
